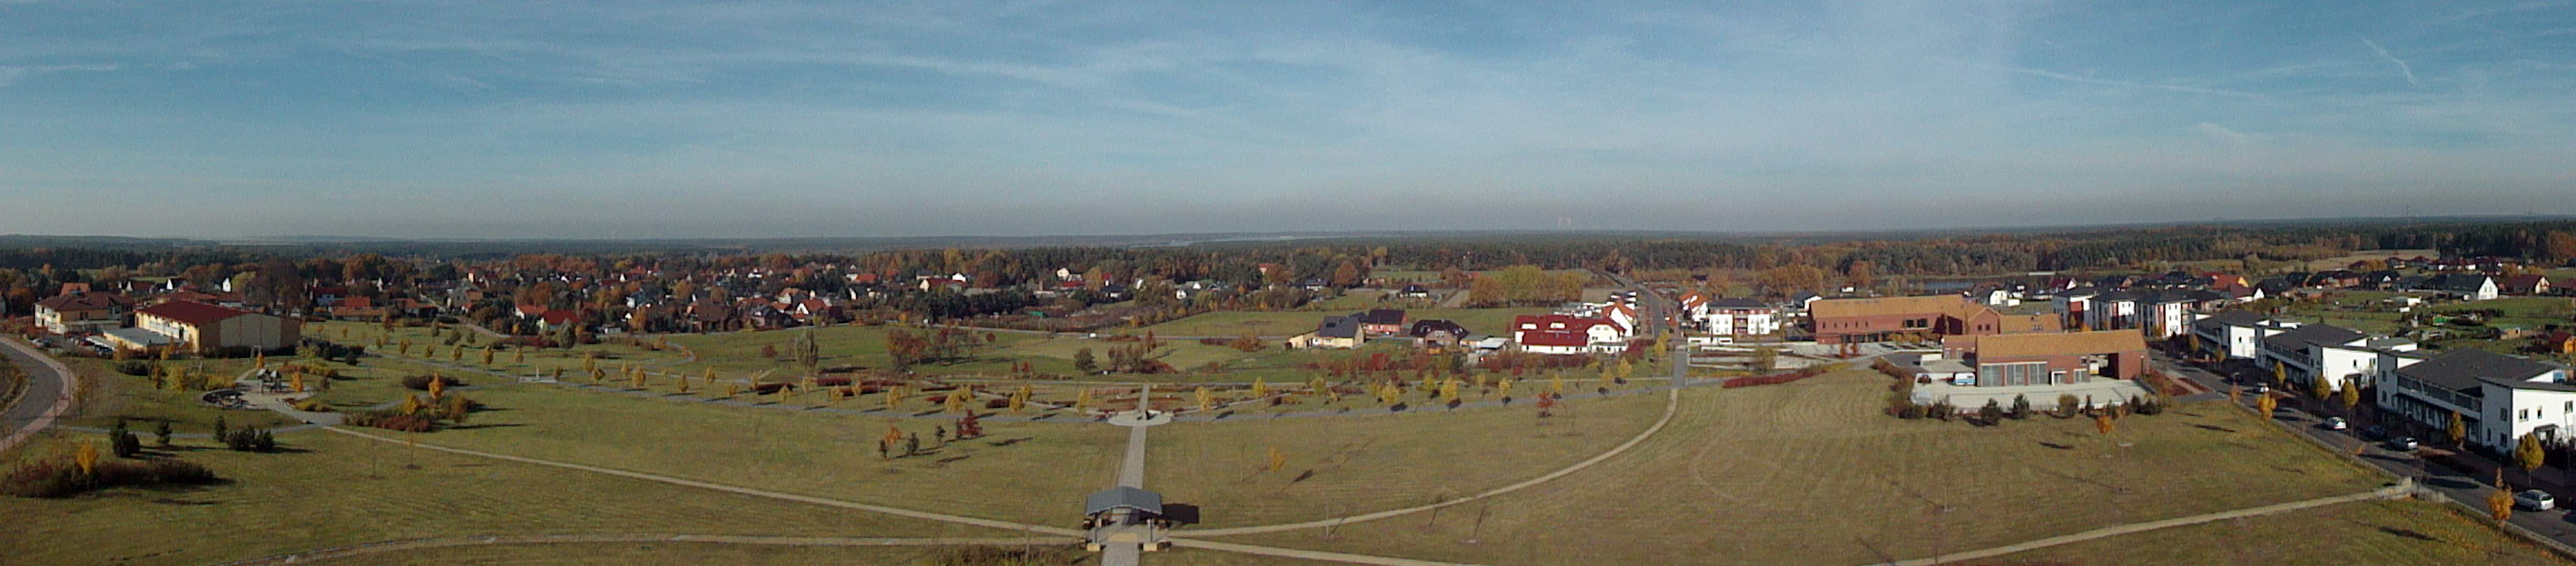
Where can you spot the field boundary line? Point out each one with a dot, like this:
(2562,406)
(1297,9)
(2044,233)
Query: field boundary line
(2389,492)
(897,511)
(360,549)
(1672,406)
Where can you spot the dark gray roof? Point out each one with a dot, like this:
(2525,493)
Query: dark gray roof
(1123,497)
(1427,326)
(2461,370)
(2457,282)
(2313,334)
(1339,327)
(1381,316)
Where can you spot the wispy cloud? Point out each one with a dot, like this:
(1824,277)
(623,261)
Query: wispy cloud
(2222,134)
(2402,67)
(12,73)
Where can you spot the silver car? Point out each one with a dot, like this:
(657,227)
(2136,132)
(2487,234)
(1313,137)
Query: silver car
(2534,500)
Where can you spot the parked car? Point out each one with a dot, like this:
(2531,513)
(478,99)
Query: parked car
(2534,500)
(2403,444)
(2375,432)
(2336,423)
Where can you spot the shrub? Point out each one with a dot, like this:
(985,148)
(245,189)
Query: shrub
(1993,412)
(60,478)
(2020,407)
(312,405)
(123,442)
(2066,404)
(137,368)
(250,440)
(392,420)
(421,382)
(831,381)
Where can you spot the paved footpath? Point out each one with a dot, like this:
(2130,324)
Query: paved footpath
(50,387)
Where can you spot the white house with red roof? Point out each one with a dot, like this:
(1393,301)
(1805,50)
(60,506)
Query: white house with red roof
(1567,334)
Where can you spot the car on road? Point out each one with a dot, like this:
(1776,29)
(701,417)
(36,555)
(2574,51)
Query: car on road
(2534,500)
(2403,444)
(2375,432)
(2336,423)
(2262,389)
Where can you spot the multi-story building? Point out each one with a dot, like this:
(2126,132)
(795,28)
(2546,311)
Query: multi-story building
(2049,358)
(83,312)
(2498,398)
(201,327)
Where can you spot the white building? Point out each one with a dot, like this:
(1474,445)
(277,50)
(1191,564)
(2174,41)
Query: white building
(1738,317)
(2499,398)
(2236,333)
(2296,352)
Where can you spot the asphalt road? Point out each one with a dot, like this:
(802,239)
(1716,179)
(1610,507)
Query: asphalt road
(45,388)
(2463,488)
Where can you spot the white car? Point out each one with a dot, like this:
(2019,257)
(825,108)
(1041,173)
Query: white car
(2336,423)
(2535,500)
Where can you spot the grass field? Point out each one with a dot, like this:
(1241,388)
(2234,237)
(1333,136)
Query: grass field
(1238,323)
(1810,472)
(1357,465)
(701,553)
(2371,532)
(333,490)
(113,396)
(1032,473)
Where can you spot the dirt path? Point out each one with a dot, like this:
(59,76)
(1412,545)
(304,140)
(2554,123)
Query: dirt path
(2390,492)
(422,544)
(1672,406)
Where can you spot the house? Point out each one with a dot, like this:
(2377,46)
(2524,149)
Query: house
(2164,314)
(2498,398)
(2303,354)
(2049,359)
(1437,333)
(201,327)
(1838,321)
(83,312)
(1414,291)
(2466,286)
(2525,284)
(1381,322)
(1737,317)
(356,308)
(2235,333)
(1567,334)
(1341,332)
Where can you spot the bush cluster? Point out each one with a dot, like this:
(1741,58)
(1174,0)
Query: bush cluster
(250,440)
(391,420)
(1779,378)
(62,478)
(421,382)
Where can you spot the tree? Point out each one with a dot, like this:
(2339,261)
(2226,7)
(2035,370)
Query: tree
(2528,453)
(1765,358)
(161,433)
(2020,407)
(2457,431)
(1276,460)
(2351,394)
(970,426)
(1991,413)
(1084,362)
(2265,404)
(2102,422)
(87,458)
(808,352)
(2319,388)
(2499,505)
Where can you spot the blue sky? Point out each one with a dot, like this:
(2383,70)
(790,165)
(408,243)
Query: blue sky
(467,119)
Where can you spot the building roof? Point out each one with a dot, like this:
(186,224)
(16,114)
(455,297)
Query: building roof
(2525,281)
(2458,282)
(1425,327)
(1545,338)
(1929,304)
(2029,323)
(1381,316)
(2302,336)
(85,301)
(2462,369)
(1738,303)
(1339,327)
(141,337)
(191,312)
(2060,344)
(1122,497)
(2231,318)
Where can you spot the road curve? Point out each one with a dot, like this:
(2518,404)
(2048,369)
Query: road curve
(50,388)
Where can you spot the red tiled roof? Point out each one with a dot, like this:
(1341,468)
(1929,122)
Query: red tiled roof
(559,316)
(191,312)
(84,302)
(1555,339)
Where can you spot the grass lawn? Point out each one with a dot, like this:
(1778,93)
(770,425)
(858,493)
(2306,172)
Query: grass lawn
(1811,472)
(334,490)
(113,396)
(1031,473)
(704,553)
(1238,323)
(1345,466)
(536,361)
(2371,532)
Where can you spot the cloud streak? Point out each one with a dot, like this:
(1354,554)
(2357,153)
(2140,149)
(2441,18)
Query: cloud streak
(2402,68)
